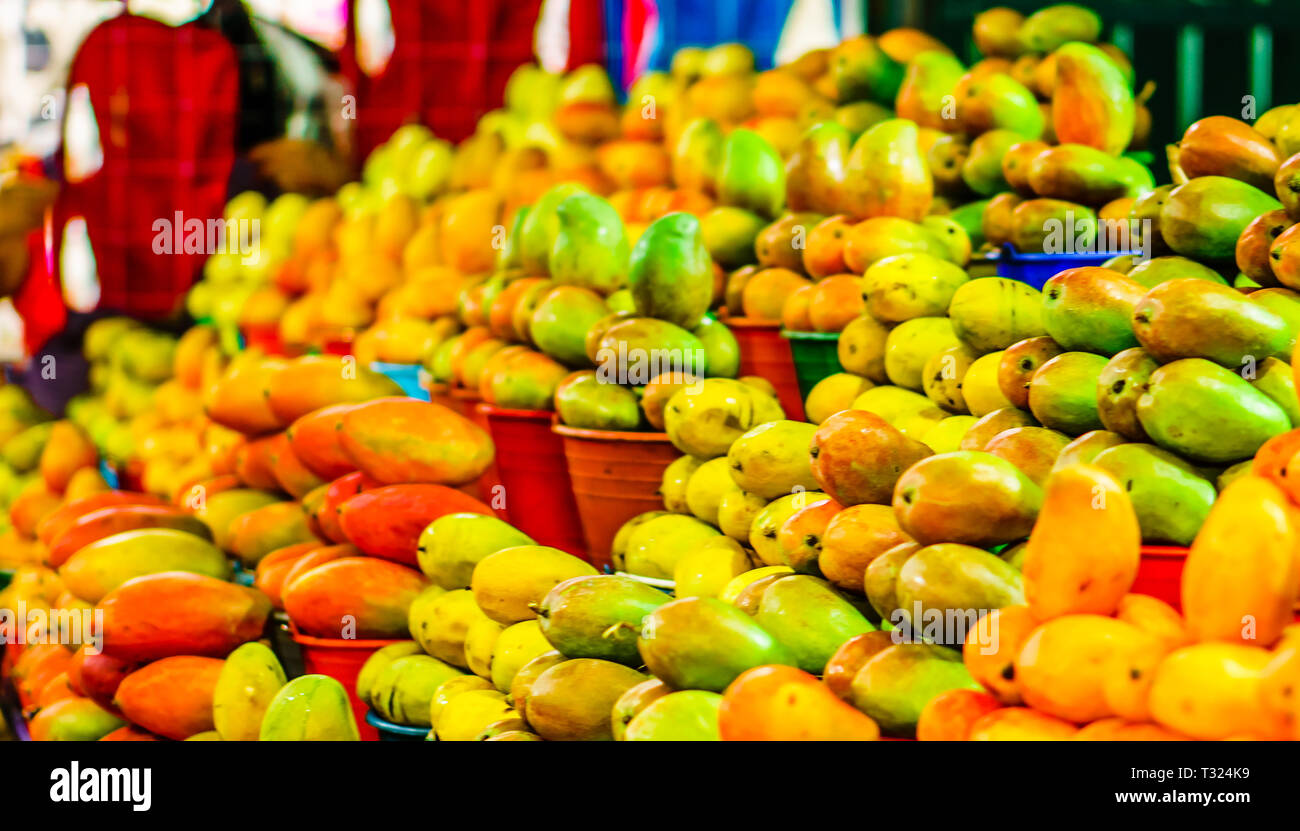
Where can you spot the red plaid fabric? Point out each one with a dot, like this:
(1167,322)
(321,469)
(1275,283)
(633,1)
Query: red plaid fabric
(451,60)
(166,103)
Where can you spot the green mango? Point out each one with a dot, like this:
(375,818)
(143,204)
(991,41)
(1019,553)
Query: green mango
(1208,414)
(585,400)
(966,496)
(1170,497)
(621,302)
(729,234)
(1232,474)
(860,116)
(702,643)
(992,313)
(451,545)
(704,420)
(1151,273)
(655,547)
(1084,174)
(539,226)
(862,71)
(752,174)
(1091,310)
(1092,101)
(927,86)
(1189,318)
(894,686)
(1053,26)
(574,700)
(590,248)
(1203,218)
(560,322)
(1284,303)
(971,218)
(697,156)
(671,275)
(1053,226)
(810,619)
(772,459)
(97,568)
(1275,379)
(23,451)
(1063,393)
(511,255)
(721,350)
(310,708)
(1121,383)
(636,350)
(404,689)
(949,582)
(685,716)
(1087,447)
(982,171)
(816,170)
(598,617)
(378,662)
(996,101)
(1146,210)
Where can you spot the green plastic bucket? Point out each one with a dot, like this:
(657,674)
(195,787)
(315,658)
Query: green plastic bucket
(816,356)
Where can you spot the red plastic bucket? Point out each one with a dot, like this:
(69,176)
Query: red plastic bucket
(483,488)
(763,352)
(535,476)
(341,660)
(1160,573)
(615,477)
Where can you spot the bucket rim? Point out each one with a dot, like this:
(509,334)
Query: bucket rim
(634,436)
(1010,254)
(493,411)
(1171,552)
(751,323)
(380,723)
(792,334)
(340,643)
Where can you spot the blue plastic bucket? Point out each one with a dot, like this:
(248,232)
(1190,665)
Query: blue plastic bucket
(1036,269)
(407,377)
(110,475)
(392,732)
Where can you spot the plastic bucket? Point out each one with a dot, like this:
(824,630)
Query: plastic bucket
(406,376)
(484,487)
(267,338)
(341,660)
(816,356)
(1036,269)
(615,477)
(1160,573)
(535,475)
(763,352)
(391,731)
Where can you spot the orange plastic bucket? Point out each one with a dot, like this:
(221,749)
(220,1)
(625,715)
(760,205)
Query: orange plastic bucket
(1160,573)
(535,476)
(341,660)
(615,477)
(484,487)
(763,352)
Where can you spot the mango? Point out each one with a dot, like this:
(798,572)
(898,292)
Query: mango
(887,174)
(590,248)
(1122,382)
(911,344)
(910,285)
(1092,103)
(1062,665)
(1173,319)
(1206,413)
(857,457)
(598,617)
(466,715)
(1204,218)
(636,350)
(584,400)
(862,71)
(1090,309)
(507,584)
(572,700)
(1063,392)
(655,547)
(685,716)
(704,420)
(992,313)
(751,174)
(967,497)
(942,583)
(1212,691)
(704,643)
(404,690)
(378,662)
(453,544)
(517,644)
(816,171)
(1170,497)
(310,708)
(894,686)
(560,322)
(771,459)
(102,566)
(809,619)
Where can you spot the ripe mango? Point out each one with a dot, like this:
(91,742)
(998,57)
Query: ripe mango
(248,683)
(310,708)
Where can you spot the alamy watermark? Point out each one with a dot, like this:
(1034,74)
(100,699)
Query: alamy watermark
(179,235)
(36,626)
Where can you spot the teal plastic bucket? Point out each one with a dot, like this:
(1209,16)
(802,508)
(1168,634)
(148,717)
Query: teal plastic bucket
(393,732)
(816,356)
(407,376)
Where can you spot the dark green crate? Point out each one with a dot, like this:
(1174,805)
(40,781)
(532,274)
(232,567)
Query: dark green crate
(816,356)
